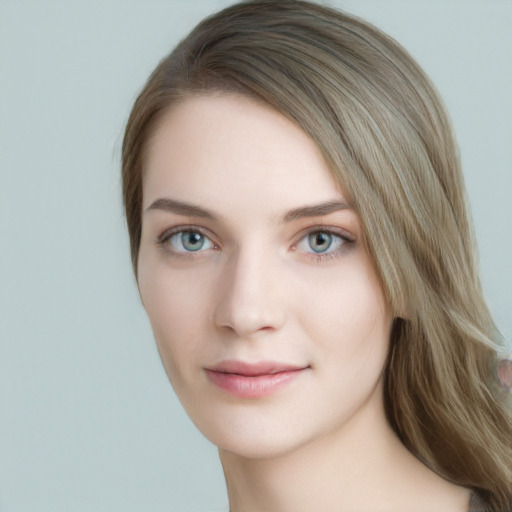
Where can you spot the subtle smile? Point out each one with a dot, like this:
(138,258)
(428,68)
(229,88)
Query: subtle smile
(258,380)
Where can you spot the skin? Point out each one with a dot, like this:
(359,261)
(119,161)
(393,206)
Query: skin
(258,289)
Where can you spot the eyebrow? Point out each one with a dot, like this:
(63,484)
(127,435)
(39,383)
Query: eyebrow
(316,210)
(180,208)
(192,210)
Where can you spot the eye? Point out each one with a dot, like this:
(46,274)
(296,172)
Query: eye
(188,240)
(321,242)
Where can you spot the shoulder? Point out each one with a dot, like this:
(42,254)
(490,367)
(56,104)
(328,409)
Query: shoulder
(476,503)
(479,504)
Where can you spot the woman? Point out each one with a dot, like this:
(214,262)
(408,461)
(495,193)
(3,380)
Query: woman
(301,241)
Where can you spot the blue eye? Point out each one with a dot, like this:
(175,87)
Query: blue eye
(321,242)
(189,241)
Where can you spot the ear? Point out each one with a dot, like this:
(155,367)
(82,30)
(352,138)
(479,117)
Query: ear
(504,373)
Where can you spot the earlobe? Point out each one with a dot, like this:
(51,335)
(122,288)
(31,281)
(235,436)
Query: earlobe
(503,373)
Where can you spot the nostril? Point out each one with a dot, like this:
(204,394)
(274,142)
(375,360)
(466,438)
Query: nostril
(247,301)
(247,330)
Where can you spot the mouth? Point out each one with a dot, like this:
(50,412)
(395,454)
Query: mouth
(246,380)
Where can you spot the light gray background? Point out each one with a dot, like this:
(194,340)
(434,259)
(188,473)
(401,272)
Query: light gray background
(88,421)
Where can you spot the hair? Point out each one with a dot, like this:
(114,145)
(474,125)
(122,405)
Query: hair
(386,137)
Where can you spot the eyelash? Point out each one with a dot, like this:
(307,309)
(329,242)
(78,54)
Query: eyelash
(163,239)
(345,241)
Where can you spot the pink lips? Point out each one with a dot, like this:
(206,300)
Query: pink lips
(245,380)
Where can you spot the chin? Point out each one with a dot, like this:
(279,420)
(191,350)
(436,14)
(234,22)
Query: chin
(258,434)
(245,433)
(257,447)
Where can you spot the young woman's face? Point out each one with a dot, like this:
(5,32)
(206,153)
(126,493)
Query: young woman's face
(268,315)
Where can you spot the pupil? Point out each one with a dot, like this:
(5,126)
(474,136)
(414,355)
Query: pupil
(192,241)
(320,241)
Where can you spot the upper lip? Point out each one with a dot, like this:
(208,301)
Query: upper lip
(254,369)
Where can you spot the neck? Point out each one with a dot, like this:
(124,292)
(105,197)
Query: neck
(361,466)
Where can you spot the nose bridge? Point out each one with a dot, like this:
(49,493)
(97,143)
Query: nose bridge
(249,296)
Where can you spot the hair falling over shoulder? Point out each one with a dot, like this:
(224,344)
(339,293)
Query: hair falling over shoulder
(384,132)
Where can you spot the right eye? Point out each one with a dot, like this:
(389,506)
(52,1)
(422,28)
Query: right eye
(187,241)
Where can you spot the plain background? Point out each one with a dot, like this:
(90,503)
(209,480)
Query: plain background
(88,421)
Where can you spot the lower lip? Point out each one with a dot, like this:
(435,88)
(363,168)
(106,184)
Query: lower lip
(243,386)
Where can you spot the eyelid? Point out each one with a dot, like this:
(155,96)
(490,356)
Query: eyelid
(164,237)
(348,239)
(332,230)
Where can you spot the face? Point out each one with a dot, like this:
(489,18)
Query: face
(267,312)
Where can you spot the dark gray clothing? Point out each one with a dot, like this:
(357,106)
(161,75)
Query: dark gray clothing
(476,503)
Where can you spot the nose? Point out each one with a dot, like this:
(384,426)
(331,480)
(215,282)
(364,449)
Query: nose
(250,296)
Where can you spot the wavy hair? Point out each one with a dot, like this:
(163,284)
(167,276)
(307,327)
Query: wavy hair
(384,132)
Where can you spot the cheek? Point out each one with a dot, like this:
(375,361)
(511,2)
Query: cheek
(346,314)
(177,306)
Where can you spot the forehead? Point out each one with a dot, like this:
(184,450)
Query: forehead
(223,149)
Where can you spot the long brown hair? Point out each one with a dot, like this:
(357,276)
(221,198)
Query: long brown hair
(384,132)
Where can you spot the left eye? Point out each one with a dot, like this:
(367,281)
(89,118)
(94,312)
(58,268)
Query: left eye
(320,242)
(189,241)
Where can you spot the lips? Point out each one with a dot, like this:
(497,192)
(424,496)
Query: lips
(245,380)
